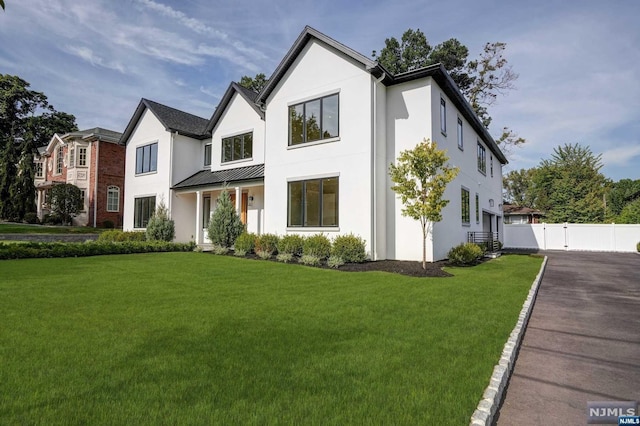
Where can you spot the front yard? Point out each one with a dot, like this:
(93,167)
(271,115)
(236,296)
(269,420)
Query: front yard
(192,338)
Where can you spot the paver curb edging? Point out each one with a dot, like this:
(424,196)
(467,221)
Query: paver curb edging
(488,406)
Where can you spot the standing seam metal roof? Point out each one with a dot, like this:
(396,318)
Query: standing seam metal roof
(207,177)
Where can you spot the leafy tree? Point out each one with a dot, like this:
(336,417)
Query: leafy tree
(24,186)
(569,187)
(256,83)
(630,213)
(160,227)
(518,187)
(225,225)
(482,80)
(24,115)
(66,201)
(620,194)
(2,4)
(420,177)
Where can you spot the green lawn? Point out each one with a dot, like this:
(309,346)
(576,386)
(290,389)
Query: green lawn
(23,228)
(193,338)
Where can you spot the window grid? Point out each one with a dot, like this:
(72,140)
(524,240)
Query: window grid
(59,160)
(72,158)
(465,213)
(39,170)
(82,156)
(314,120)
(113,199)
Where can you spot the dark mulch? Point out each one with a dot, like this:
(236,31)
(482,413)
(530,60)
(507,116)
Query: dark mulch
(404,267)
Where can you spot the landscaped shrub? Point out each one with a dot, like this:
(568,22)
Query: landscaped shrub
(266,243)
(245,243)
(465,254)
(51,219)
(160,227)
(90,248)
(317,245)
(218,249)
(349,248)
(108,224)
(225,225)
(118,236)
(264,255)
(291,244)
(309,260)
(31,217)
(335,262)
(284,257)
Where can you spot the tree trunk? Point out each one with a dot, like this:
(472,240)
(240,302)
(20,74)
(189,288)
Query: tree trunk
(424,247)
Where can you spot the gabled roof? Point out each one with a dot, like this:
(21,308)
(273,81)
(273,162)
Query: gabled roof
(172,119)
(248,95)
(208,178)
(89,135)
(437,72)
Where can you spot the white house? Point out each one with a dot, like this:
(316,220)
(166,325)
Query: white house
(310,153)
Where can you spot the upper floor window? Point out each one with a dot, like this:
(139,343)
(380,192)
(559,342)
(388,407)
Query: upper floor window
(491,164)
(72,158)
(465,210)
(82,156)
(59,160)
(239,147)
(460,139)
(482,159)
(443,116)
(39,170)
(207,154)
(147,158)
(113,199)
(313,202)
(314,120)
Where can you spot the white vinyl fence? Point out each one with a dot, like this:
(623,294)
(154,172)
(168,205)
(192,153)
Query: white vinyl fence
(571,236)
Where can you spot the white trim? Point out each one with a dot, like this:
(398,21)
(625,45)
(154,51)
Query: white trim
(313,97)
(312,177)
(238,133)
(243,160)
(320,142)
(313,229)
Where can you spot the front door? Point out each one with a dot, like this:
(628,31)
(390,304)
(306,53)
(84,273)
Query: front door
(243,206)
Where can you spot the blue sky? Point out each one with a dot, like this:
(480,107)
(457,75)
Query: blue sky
(578,61)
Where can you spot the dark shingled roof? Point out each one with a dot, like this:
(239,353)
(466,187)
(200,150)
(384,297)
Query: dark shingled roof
(172,119)
(249,95)
(207,177)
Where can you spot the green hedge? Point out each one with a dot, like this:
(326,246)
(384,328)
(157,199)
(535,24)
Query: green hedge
(116,235)
(89,248)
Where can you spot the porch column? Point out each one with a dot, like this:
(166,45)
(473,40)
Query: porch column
(198,216)
(238,199)
(39,205)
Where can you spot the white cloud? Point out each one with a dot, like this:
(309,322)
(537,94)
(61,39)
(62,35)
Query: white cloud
(621,155)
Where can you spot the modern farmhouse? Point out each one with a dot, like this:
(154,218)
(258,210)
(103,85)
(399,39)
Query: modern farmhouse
(310,153)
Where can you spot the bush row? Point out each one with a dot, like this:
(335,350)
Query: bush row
(117,236)
(89,248)
(313,249)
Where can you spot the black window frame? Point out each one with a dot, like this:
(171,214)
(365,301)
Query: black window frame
(207,157)
(142,213)
(465,207)
(303,203)
(482,159)
(242,149)
(477,208)
(322,129)
(460,134)
(149,160)
(443,116)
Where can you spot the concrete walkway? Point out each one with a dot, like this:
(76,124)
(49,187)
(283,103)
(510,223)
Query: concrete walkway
(582,342)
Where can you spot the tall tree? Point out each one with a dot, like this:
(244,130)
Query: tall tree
(481,80)
(630,213)
(25,115)
(420,177)
(620,194)
(24,189)
(518,187)
(256,83)
(569,186)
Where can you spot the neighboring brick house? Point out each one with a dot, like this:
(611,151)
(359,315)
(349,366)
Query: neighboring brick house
(93,161)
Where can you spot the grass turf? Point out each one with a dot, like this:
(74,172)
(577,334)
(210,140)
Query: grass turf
(23,228)
(192,338)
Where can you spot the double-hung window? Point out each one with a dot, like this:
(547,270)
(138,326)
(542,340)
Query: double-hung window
(82,156)
(482,159)
(147,158)
(314,120)
(465,206)
(443,117)
(143,209)
(39,170)
(72,158)
(239,147)
(207,154)
(59,160)
(313,203)
(113,199)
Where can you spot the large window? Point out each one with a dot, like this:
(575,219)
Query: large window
(460,138)
(465,206)
(239,147)
(314,120)
(59,160)
(143,209)
(147,158)
(207,154)
(482,159)
(113,199)
(313,202)
(443,116)
(82,156)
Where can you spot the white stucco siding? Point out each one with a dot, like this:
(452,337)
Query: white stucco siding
(238,118)
(408,123)
(148,130)
(320,71)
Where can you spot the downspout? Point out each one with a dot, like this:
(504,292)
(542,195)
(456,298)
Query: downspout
(95,184)
(374,140)
(173,135)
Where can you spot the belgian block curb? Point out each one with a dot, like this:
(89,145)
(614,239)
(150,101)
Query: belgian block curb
(488,406)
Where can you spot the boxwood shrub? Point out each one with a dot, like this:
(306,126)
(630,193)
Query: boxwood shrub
(245,242)
(267,243)
(116,235)
(465,254)
(291,244)
(318,246)
(349,248)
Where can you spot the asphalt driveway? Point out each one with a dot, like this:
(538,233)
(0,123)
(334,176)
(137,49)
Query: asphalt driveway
(582,342)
